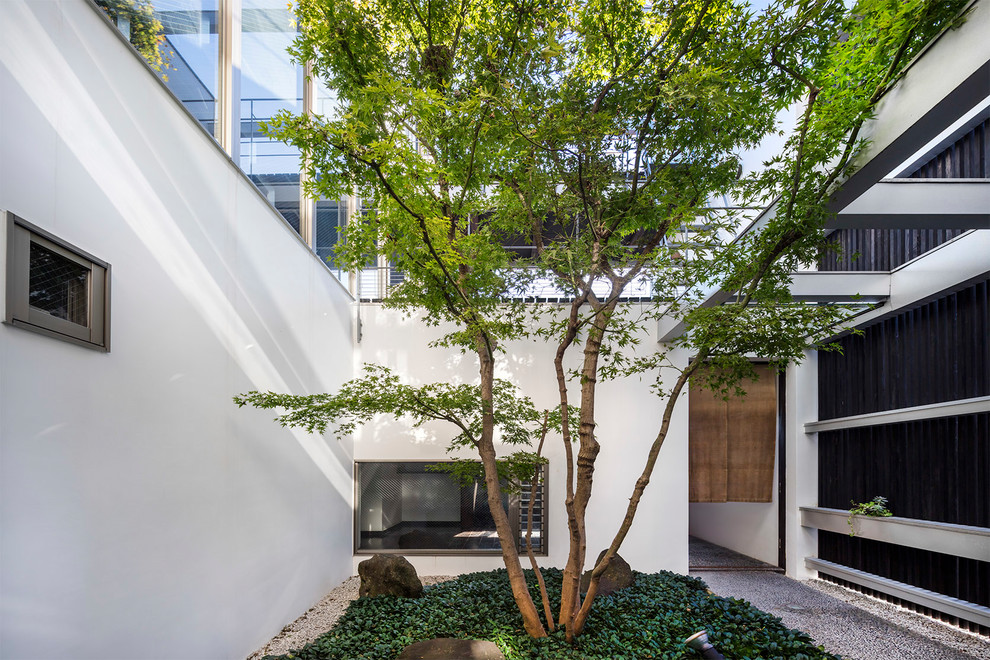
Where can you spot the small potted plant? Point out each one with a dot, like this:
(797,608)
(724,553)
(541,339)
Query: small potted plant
(876,508)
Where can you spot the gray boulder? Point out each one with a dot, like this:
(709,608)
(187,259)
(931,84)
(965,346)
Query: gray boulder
(617,576)
(389,574)
(447,648)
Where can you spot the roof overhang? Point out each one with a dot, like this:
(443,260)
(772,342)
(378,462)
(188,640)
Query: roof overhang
(942,85)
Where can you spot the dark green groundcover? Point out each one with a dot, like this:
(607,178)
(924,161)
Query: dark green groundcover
(648,620)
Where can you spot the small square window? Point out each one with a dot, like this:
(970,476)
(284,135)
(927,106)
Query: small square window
(54,288)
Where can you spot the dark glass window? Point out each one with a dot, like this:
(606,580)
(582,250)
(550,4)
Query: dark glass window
(58,286)
(330,216)
(54,288)
(406,506)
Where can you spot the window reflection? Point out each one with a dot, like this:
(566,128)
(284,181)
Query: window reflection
(408,506)
(58,286)
(270,82)
(405,506)
(193,51)
(180,39)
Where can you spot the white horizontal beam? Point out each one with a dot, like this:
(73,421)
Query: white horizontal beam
(919,204)
(806,286)
(840,286)
(952,606)
(972,406)
(956,540)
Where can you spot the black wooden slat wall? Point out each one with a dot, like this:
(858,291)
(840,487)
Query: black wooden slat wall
(966,159)
(863,250)
(966,579)
(934,353)
(885,249)
(936,469)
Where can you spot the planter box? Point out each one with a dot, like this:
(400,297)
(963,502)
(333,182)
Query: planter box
(956,540)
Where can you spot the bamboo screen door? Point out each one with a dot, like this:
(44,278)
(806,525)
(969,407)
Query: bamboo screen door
(732,443)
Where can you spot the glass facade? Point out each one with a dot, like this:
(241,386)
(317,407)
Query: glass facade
(269,83)
(191,55)
(210,50)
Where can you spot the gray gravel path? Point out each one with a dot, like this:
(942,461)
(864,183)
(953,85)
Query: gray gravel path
(848,623)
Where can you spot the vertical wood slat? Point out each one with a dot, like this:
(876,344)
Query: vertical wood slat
(964,159)
(937,469)
(868,250)
(936,352)
(966,579)
(886,249)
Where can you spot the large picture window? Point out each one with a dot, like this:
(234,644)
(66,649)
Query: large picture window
(405,507)
(54,288)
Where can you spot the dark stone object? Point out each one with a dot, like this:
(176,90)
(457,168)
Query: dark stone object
(447,648)
(617,576)
(389,574)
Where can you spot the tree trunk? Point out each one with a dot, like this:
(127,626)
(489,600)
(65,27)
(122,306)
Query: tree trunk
(644,479)
(587,453)
(507,536)
(570,587)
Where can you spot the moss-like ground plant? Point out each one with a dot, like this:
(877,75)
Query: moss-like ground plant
(648,620)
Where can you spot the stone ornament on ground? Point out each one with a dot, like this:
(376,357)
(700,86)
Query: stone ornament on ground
(617,576)
(447,648)
(391,575)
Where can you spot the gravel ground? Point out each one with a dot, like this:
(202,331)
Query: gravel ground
(848,623)
(845,622)
(321,617)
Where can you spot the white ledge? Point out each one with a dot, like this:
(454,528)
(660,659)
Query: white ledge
(929,411)
(947,604)
(919,204)
(956,540)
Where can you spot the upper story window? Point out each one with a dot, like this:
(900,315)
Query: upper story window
(54,288)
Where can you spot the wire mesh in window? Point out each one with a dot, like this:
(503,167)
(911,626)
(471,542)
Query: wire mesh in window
(536,533)
(58,286)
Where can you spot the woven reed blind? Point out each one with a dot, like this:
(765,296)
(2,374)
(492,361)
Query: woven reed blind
(732,444)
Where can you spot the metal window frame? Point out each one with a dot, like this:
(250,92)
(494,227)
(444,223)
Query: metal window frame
(514,513)
(19,313)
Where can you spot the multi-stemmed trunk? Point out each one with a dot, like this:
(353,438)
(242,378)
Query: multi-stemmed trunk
(507,535)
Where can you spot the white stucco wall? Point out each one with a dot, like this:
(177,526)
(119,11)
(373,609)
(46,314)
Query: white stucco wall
(628,420)
(746,527)
(142,515)
(802,464)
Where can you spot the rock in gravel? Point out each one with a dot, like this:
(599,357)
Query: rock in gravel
(447,648)
(617,576)
(389,574)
